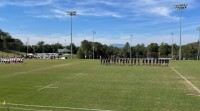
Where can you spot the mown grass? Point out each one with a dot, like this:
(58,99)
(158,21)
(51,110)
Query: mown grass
(87,84)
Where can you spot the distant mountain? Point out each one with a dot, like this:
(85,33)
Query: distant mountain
(117,45)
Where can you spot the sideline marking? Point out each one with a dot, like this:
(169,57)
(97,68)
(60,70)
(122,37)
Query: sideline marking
(37,69)
(186,80)
(81,74)
(192,95)
(45,87)
(55,107)
(25,109)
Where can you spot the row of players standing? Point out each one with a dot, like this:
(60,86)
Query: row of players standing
(13,60)
(136,61)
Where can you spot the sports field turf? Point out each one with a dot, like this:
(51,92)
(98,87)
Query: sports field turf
(85,85)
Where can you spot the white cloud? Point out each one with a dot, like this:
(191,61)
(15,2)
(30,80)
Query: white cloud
(42,16)
(97,12)
(2,19)
(25,3)
(163,11)
(61,13)
(103,8)
(112,8)
(92,2)
(157,8)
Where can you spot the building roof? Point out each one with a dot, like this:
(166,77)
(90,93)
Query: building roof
(63,51)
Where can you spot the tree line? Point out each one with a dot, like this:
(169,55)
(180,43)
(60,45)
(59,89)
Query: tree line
(163,50)
(10,44)
(85,50)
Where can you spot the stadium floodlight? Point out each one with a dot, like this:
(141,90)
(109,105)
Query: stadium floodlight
(93,32)
(130,46)
(180,7)
(71,13)
(198,28)
(27,47)
(172,45)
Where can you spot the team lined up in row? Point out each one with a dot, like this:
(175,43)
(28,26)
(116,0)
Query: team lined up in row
(13,60)
(136,61)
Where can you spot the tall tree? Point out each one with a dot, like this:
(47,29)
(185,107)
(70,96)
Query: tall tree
(98,50)
(74,48)
(189,51)
(165,50)
(8,43)
(40,48)
(85,49)
(152,49)
(140,50)
(126,50)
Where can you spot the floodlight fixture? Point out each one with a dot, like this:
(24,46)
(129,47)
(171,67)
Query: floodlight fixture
(180,7)
(71,13)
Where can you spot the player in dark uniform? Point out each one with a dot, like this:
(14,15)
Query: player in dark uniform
(138,61)
(143,61)
(167,62)
(134,61)
(131,62)
(160,61)
(163,62)
(153,61)
(146,61)
(156,61)
(149,61)
(123,61)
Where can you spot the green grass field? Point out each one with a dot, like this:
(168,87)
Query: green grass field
(85,85)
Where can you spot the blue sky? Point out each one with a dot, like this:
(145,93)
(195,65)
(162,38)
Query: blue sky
(113,20)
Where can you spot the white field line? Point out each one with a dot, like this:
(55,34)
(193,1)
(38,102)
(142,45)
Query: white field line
(25,109)
(186,80)
(45,87)
(81,74)
(35,70)
(55,107)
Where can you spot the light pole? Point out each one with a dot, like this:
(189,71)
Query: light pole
(2,45)
(172,45)
(130,46)
(53,46)
(13,44)
(27,47)
(65,44)
(198,28)
(180,7)
(93,42)
(71,13)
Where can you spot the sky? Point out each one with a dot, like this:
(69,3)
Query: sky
(114,21)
